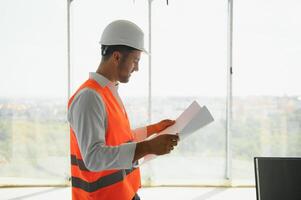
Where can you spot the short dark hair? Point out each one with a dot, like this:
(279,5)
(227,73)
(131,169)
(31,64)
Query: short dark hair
(107,50)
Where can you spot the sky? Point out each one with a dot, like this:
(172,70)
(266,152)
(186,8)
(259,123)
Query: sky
(189,46)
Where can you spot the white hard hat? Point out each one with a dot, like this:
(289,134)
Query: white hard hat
(123,32)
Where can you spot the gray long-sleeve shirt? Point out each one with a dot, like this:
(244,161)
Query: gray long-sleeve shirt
(88,118)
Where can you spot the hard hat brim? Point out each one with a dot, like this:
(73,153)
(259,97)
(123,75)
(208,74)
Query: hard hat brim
(146,52)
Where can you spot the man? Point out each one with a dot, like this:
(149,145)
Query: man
(104,149)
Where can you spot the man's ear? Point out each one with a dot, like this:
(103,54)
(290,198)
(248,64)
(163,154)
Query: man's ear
(116,57)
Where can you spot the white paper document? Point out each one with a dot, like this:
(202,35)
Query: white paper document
(191,120)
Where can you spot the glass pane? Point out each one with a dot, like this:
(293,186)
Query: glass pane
(33,78)
(266,83)
(89,18)
(189,63)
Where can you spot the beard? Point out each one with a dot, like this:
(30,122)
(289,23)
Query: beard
(123,77)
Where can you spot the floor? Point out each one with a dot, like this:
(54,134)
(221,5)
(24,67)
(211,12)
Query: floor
(157,193)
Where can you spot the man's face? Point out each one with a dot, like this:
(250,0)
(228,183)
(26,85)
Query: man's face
(128,64)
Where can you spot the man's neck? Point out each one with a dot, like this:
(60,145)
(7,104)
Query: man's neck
(106,71)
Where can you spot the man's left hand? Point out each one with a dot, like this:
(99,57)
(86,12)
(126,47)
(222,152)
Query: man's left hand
(160,126)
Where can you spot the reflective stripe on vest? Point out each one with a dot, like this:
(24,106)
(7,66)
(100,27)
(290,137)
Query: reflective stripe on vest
(101,182)
(107,184)
(80,163)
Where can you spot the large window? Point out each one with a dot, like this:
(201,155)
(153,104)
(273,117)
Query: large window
(33,93)
(266,82)
(189,63)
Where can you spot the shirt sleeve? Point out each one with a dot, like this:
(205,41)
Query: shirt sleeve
(87,116)
(139,134)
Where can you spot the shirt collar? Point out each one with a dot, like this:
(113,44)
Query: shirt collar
(102,81)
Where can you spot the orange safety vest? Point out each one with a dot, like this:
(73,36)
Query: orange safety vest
(108,184)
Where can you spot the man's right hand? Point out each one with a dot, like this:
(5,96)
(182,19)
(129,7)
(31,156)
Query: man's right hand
(160,145)
(163,144)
